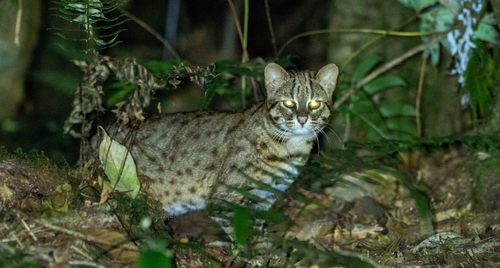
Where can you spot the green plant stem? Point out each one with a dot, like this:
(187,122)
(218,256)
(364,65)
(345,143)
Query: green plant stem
(347,130)
(371,124)
(371,31)
(245,30)
(270,24)
(238,27)
(394,32)
(419,94)
(244,58)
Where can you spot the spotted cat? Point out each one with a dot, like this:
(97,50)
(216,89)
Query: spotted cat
(191,158)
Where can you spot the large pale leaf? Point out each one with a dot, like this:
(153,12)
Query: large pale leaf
(486,32)
(115,158)
(437,19)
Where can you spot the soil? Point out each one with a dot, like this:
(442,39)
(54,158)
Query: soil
(57,216)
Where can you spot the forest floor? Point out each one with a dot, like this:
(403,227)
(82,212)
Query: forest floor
(360,207)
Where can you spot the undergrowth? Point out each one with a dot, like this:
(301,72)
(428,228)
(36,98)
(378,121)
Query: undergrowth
(128,88)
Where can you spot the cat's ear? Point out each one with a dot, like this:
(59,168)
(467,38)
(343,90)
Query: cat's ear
(276,76)
(327,77)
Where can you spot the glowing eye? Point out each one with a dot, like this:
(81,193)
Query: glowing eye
(289,103)
(314,104)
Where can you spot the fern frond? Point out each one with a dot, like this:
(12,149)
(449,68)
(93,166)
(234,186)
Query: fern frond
(389,121)
(92,23)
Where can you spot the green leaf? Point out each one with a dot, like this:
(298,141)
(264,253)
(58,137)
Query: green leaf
(402,124)
(379,128)
(433,50)
(364,107)
(242,224)
(397,110)
(112,34)
(119,166)
(153,259)
(417,4)
(110,46)
(401,136)
(444,19)
(486,32)
(438,19)
(117,92)
(287,62)
(365,66)
(101,42)
(480,78)
(383,82)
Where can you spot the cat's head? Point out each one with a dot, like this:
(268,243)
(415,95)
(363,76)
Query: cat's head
(299,103)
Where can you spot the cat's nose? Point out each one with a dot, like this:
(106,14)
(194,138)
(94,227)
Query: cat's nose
(302,119)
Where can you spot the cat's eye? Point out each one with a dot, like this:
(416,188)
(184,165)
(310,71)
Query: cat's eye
(314,104)
(289,103)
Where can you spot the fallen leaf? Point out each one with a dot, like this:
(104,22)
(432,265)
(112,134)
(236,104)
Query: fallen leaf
(114,242)
(119,166)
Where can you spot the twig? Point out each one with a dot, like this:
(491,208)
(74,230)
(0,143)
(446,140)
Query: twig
(419,94)
(85,263)
(270,24)
(238,27)
(373,31)
(150,30)
(81,252)
(18,22)
(18,241)
(372,41)
(29,230)
(377,72)
(85,237)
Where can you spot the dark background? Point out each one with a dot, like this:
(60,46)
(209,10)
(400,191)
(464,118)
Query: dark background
(205,33)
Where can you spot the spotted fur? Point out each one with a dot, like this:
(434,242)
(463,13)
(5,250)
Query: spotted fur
(191,158)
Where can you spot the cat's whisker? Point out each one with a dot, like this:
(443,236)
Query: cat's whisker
(335,133)
(317,140)
(280,135)
(327,138)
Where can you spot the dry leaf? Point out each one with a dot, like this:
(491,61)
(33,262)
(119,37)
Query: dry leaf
(115,243)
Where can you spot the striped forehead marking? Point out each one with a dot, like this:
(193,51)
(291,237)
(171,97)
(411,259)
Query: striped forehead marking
(301,84)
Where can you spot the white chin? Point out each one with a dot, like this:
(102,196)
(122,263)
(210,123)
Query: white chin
(301,131)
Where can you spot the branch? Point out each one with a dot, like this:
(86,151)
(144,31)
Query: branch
(150,30)
(373,31)
(379,71)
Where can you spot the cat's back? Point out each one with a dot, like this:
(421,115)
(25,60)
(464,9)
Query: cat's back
(184,133)
(184,154)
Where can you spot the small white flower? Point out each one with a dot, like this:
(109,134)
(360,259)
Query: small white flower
(461,43)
